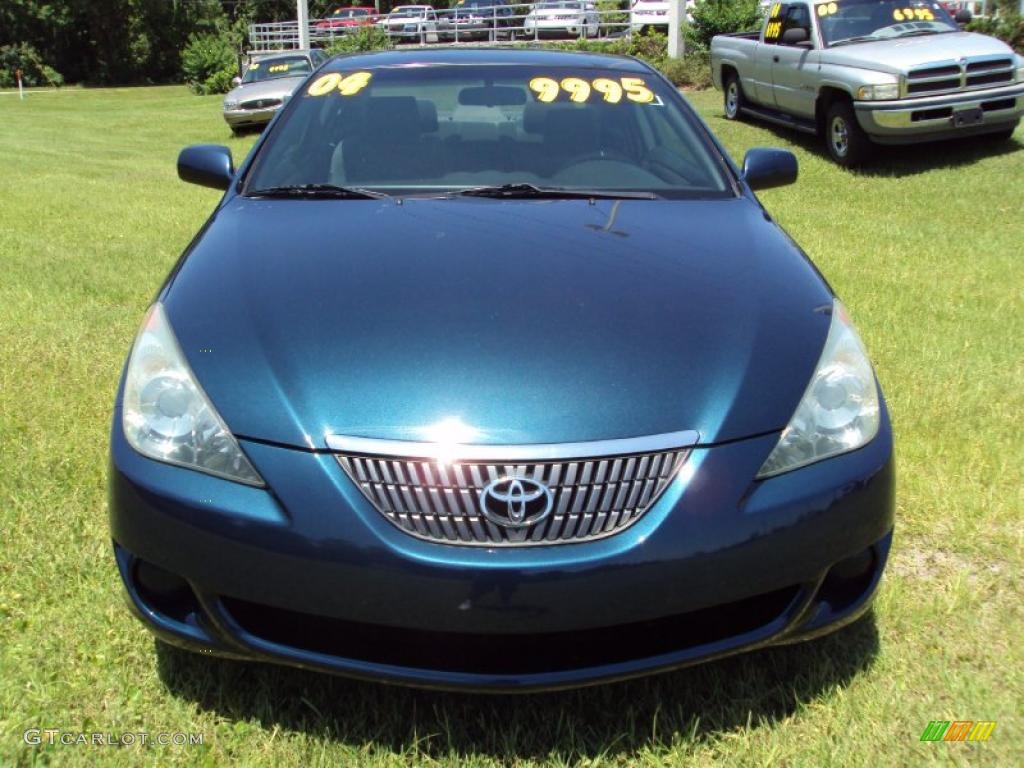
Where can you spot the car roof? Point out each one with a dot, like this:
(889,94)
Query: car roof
(488,56)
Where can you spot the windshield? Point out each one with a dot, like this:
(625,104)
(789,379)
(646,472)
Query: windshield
(570,4)
(864,20)
(283,66)
(408,13)
(349,13)
(437,128)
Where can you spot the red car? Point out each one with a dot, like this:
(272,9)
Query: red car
(347,18)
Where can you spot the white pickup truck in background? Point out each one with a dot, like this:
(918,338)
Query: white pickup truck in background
(860,72)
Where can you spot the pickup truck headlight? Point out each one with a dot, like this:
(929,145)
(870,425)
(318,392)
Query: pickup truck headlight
(839,412)
(1020,73)
(879,92)
(167,416)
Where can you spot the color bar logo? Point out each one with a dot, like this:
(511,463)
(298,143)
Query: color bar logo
(958,730)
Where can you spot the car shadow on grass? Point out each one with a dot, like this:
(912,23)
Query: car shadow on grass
(617,721)
(908,160)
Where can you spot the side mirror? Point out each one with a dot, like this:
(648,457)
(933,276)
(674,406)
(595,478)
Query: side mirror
(766,168)
(236,81)
(963,16)
(208,165)
(796,36)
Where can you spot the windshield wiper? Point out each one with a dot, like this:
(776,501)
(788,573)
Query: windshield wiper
(915,32)
(318,191)
(857,39)
(524,191)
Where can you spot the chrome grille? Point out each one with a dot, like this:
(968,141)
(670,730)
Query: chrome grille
(260,104)
(964,75)
(592,496)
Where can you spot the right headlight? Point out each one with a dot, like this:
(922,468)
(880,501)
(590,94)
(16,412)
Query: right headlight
(230,103)
(167,416)
(839,411)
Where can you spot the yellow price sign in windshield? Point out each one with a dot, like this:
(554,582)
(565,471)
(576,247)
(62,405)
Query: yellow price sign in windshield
(580,90)
(913,14)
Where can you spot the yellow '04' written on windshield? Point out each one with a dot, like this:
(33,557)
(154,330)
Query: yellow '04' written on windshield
(337,82)
(579,90)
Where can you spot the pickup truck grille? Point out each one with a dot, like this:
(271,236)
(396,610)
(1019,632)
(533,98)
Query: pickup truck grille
(964,75)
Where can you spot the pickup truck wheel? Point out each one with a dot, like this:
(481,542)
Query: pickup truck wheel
(1004,135)
(733,98)
(846,141)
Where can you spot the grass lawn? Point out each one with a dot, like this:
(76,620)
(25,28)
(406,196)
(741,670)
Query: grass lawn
(925,248)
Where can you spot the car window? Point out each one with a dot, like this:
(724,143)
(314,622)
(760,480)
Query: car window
(436,128)
(279,66)
(845,20)
(797,15)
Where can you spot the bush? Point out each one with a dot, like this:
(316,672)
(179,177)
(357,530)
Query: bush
(34,71)
(719,17)
(692,71)
(620,18)
(363,39)
(1007,27)
(209,62)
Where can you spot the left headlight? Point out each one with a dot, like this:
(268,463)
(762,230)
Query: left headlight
(839,411)
(885,92)
(167,416)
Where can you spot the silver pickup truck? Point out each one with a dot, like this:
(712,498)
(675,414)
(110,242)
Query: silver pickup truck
(864,71)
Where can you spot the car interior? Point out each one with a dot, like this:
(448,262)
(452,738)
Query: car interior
(488,135)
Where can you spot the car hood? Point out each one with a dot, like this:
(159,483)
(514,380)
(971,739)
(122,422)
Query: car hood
(522,321)
(278,88)
(897,56)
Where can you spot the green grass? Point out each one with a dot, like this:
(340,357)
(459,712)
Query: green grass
(925,249)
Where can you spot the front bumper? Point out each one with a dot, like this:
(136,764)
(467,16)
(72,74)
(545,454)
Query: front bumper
(555,27)
(928,119)
(245,118)
(311,575)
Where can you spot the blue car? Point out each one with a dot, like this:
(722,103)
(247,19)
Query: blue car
(490,371)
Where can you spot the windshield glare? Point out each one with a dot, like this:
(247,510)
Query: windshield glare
(847,19)
(270,69)
(438,127)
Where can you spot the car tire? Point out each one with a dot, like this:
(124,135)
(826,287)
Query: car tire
(1004,135)
(845,140)
(733,100)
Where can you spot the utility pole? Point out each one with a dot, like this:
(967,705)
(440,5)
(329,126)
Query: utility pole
(676,19)
(303,16)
